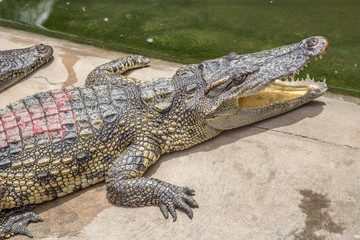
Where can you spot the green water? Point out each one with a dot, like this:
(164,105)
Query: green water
(193,30)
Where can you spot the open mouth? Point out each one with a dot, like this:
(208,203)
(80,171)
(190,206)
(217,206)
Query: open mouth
(281,92)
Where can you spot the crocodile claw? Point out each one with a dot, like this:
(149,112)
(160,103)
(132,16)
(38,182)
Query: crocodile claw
(16,223)
(177,197)
(20,223)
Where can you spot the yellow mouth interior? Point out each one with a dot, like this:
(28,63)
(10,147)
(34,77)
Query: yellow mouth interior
(277,91)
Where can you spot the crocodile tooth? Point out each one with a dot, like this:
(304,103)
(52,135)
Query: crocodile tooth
(307,76)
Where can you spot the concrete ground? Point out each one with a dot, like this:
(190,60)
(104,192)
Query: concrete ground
(295,176)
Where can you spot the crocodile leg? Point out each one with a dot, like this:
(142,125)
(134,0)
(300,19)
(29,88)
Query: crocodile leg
(127,187)
(102,73)
(15,221)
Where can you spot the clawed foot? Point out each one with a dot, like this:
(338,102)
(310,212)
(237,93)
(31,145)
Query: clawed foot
(15,222)
(177,197)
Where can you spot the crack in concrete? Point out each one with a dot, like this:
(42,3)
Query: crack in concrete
(305,137)
(48,81)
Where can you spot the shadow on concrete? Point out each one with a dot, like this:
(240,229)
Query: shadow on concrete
(100,187)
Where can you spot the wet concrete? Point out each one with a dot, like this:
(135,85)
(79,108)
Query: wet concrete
(316,208)
(295,176)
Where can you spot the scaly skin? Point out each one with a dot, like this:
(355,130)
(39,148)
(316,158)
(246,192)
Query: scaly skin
(114,127)
(15,64)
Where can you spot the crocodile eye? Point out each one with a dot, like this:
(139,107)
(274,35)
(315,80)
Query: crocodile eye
(191,88)
(215,88)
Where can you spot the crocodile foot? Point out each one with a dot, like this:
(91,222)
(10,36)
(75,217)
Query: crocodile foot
(173,197)
(16,221)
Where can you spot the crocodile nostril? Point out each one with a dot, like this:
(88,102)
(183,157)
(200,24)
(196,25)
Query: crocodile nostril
(311,42)
(41,47)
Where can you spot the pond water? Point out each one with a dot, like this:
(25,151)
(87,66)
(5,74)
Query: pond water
(190,31)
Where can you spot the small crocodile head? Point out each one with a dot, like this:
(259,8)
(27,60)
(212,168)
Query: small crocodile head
(17,63)
(242,89)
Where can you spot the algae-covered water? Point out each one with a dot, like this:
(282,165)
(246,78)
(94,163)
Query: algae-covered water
(190,31)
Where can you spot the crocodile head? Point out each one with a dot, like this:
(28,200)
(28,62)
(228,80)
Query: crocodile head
(17,63)
(32,58)
(242,89)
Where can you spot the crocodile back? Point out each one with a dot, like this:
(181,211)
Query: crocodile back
(57,142)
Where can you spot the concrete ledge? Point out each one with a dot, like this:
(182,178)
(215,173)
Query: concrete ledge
(295,176)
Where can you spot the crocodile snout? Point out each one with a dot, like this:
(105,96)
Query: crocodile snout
(318,45)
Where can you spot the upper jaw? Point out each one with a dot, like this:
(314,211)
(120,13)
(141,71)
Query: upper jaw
(285,64)
(281,87)
(315,48)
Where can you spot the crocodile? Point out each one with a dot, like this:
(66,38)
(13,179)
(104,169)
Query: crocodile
(15,64)
(115,127)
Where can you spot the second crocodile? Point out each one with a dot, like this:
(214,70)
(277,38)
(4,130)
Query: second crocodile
(15,64)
